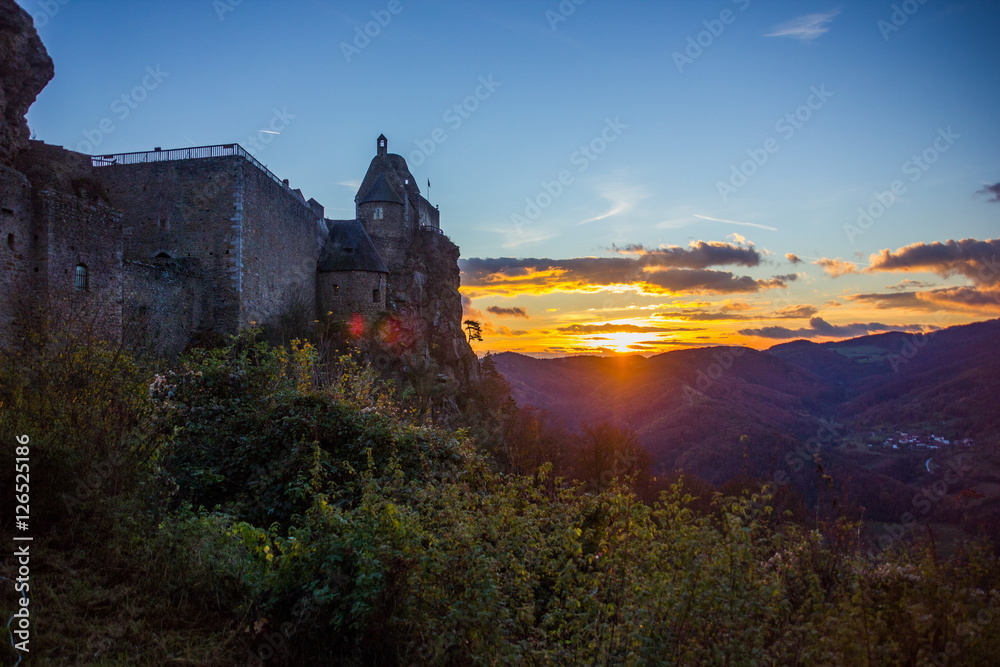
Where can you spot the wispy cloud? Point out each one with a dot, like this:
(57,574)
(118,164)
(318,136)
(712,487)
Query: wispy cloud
(623,199)
(737,222)
(805,28)
(350,184)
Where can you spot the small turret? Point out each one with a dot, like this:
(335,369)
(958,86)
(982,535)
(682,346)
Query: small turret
(383,146)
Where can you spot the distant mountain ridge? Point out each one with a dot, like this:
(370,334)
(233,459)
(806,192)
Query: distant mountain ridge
(728,412)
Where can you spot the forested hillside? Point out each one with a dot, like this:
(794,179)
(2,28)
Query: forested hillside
(259,505)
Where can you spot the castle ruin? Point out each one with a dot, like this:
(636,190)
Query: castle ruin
(171,247)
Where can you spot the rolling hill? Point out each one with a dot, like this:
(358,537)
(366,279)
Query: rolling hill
(727,412)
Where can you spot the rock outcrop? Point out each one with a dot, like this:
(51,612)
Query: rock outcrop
(434,304)
(25,69)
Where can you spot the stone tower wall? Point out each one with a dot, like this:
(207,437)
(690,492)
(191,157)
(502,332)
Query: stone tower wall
(341,294)
(185,209)
(391,235)
(280,248)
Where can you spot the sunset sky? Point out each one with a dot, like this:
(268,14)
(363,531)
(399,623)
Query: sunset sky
(620,176)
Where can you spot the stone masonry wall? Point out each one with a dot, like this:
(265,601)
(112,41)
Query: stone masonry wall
(341,294)
(75,232)
(164,302)
(280,247)
(185,209)
(16,248)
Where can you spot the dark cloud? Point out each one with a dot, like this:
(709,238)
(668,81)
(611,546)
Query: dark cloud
(698,255)
(519,275)
(820,328)
(794,312)
(505,331)
(793,258)
(991,192)
(962,298)
(884,301)
(675,269)
(974,259)
(725,314)
(908,285)
(701,315)
(508,312)
(707,281)
(616,328)
(730,306)
(674,343)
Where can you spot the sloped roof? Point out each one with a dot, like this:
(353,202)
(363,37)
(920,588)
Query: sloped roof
(381,190)
(349,248)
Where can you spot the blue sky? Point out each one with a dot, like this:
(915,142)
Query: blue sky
(834,99)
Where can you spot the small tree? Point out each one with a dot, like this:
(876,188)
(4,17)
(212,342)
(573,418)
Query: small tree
(474,330)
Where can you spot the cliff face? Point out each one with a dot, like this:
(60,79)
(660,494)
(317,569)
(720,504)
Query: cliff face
(434,304)
(420,340)
(25,69)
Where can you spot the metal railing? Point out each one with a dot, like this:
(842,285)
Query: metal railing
(196,152)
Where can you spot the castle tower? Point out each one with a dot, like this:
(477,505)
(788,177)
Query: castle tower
(386,205)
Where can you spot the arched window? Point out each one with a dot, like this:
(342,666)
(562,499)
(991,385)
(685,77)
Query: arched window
(81,279)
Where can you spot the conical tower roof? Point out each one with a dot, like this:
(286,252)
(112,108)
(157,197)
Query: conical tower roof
(349,248)
(381,191)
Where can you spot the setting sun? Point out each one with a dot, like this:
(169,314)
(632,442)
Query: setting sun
(620,342)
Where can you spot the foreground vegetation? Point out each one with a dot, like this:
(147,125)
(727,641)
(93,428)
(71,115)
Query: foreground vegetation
(256,505)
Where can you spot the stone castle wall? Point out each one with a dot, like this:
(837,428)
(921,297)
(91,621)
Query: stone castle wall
(184,209)
(342,294)
(281,238)
(16,248)
(256,240)
(164,303)
(73,231)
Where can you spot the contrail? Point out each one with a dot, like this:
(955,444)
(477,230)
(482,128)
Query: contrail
(735,222)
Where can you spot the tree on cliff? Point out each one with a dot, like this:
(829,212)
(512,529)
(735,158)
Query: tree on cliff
(474,330)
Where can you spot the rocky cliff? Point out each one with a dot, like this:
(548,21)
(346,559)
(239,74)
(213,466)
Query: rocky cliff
(420,341)
(25,69)
(434,304)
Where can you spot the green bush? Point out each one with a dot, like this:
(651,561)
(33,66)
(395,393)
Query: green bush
(271,509)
